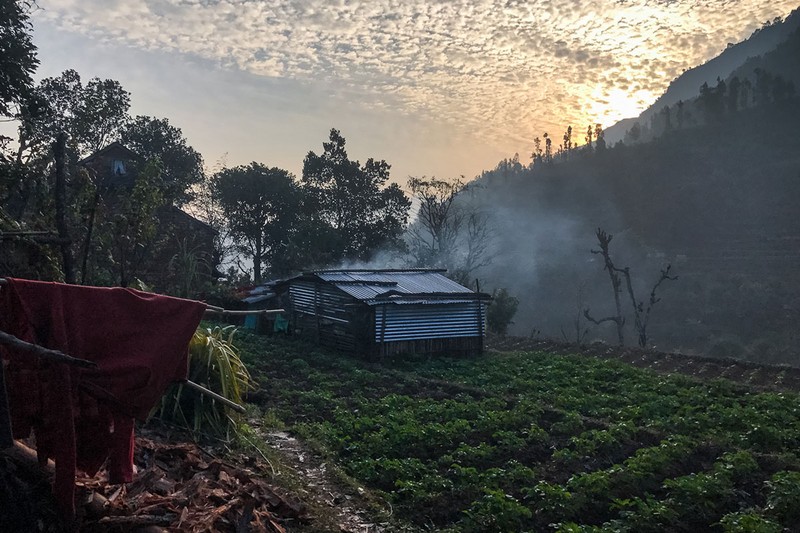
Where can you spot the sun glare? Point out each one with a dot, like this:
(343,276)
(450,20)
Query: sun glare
(610,106)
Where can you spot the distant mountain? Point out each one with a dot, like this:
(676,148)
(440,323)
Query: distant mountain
(687,85)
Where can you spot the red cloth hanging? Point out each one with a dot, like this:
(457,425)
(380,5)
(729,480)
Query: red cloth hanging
(81,417)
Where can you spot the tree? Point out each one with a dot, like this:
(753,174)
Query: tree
(567,142)
(92,116)
(537,156)
(634,134)
(182,165)
(18,59)
(640,314)
(604,239)
(667,114)
(501,311)
(548,148)
(134,222)
(733,95)
(260,205)
(600,138)
(448,233)
(352,201)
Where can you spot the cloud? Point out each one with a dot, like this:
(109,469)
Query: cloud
(509,69)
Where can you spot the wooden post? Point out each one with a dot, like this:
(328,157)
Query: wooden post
(382,351)
(316,309)
(6,434)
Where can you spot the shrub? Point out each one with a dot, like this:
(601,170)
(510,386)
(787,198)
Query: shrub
(501,311)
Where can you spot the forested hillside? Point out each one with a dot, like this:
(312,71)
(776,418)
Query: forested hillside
(716,200)
(684,87)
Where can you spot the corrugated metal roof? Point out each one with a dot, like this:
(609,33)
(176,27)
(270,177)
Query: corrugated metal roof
(369,285)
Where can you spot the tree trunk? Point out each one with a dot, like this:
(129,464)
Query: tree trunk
(257,263)
(59,149)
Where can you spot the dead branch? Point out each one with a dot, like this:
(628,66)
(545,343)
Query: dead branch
(138,520)
(43,353)
(641,323)
(604,239)
(619,321)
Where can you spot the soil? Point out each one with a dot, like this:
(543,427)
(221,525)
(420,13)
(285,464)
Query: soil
(338,503)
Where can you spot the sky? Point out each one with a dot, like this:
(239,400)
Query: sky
(436,88)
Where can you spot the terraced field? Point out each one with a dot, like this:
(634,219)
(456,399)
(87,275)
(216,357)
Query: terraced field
(769,377)
(537,441)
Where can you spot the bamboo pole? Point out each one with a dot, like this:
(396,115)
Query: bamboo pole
(214,310)
(202,390)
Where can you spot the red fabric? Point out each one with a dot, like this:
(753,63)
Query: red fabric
(83,416)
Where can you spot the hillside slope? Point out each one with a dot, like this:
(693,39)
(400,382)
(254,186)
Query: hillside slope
(719,202)
(687,85)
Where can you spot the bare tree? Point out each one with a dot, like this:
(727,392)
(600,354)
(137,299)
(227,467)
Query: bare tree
(640,313)
(619,320)
(438,220)
(448,232)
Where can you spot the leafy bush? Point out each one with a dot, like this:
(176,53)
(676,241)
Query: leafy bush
(748,522)
(784,497)
(214,363)
(501,311)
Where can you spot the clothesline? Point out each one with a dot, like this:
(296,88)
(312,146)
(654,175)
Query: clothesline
(215,310)
(72,412)
(57,356)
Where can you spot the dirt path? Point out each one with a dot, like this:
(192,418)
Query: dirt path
(344,508)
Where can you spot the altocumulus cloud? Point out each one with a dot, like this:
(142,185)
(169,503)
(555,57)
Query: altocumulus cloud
(511,69)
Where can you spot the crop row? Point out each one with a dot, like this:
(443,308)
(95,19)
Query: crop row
(535,441)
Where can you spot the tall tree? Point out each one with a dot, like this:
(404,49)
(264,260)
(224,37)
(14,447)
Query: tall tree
(260,205)
(600,139)
(548,148)
(18,59)
(439,221)
(538,154)
(91,115)
(18,62)
(353,200)
(182,165)
(448,232)
(733,95)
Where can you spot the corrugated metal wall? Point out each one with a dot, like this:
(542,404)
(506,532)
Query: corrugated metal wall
(337,319)
(321,299)
(321,309)
(429,321)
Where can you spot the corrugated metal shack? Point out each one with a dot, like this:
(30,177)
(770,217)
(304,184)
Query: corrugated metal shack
(380,313)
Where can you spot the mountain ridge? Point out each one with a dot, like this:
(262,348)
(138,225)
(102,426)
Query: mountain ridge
(687,85)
